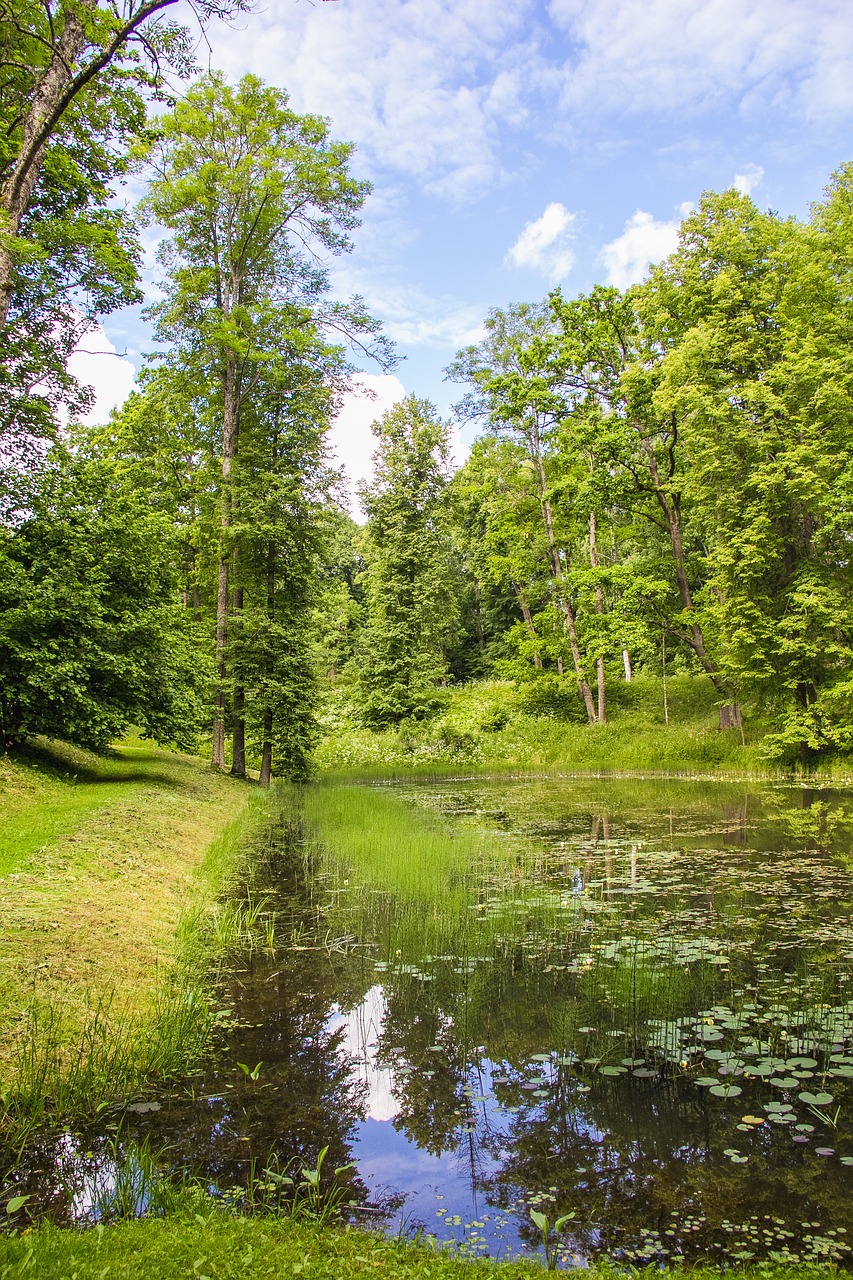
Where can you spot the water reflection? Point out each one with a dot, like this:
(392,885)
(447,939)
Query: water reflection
(635,1012)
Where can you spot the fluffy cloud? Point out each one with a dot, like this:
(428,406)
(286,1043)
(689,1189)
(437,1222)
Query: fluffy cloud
(644,241)
(351,439)
(671,54)
(420,85)
(96,363)
(545,244)
(410,315)
(747,181)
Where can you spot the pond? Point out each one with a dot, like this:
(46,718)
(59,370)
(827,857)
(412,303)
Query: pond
(626,1003)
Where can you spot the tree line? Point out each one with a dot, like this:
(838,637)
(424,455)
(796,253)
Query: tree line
(661,481)
(160,570)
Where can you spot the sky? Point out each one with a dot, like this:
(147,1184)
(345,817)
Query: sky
(514,148)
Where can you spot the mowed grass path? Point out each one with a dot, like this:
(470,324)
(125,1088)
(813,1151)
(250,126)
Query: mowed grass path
(98,858)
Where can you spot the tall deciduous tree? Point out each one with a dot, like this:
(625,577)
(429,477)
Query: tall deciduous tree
(74,79)
(514,377)
(251,193)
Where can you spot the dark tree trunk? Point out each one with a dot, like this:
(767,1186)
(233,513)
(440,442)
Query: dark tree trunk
(528,619)
(52,95)
(266,749)
(230,422)
(599,609)
(238,733)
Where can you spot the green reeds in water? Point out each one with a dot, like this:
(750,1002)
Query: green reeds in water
(60,1072)
(391,845)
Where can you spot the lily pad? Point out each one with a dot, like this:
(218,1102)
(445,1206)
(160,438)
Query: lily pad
(815,1099)
(726,1090)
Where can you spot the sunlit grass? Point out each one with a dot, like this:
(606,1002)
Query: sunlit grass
(199,1240)
(108,927)
(392,846)
(494,725)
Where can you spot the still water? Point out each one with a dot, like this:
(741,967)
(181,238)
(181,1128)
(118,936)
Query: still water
(633,1006)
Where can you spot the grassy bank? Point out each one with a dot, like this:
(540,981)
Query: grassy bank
(497,725)
(108,868)
(221,1247)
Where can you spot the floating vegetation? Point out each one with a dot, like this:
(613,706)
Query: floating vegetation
(624,1009)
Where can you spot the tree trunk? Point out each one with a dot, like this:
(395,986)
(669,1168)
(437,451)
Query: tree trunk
(52,95)
(238,732)
(599,609)
(218,753)
(528,620)
(626,659)
(672,516)
(558,582)
(266,749)
(18,188)
(266,752)
(478,623)
(230,422)
(731,715)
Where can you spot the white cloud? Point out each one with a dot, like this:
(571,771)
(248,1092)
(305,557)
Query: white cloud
(663,55)
(351,439)
(420,85)
(545,244)
(409,315)
(644,241)
(96,363)
(747,181)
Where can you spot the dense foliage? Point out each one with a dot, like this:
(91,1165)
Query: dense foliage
(92,635)
(662,483)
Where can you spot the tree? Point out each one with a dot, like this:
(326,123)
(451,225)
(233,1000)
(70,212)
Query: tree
(514,377)
(92,638)
(498,522)
(251,193)
(75,78)
(752,317)
(409,601)
(56,58)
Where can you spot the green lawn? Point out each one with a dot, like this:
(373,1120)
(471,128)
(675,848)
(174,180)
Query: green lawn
(216,1246)
(103,860)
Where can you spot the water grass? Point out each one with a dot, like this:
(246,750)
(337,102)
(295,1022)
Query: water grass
(393,846)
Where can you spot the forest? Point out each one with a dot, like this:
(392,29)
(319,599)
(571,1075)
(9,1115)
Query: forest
(660,483)
(566,905)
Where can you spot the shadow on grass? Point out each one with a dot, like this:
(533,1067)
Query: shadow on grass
(72,765)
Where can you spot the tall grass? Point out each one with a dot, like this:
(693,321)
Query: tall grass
(494,725)
(393,846)
(67,1066)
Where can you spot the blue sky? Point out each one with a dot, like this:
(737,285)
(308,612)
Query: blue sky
(516,147)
